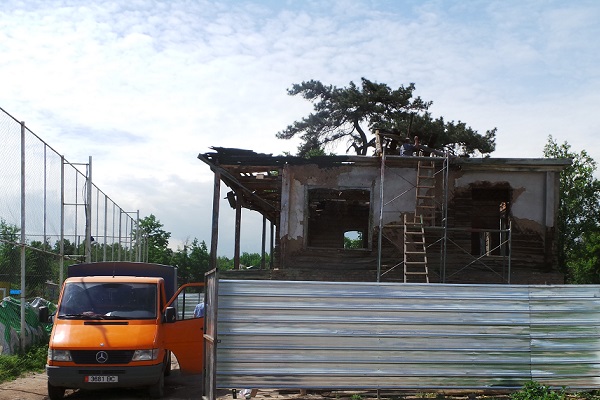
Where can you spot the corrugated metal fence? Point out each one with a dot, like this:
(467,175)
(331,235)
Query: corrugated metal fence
(337,335)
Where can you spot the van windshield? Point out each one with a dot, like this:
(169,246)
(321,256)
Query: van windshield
(104,300)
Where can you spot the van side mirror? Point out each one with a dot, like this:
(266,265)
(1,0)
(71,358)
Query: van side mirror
(43,314)
(170,315)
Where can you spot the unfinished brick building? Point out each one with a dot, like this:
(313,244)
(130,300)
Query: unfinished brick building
(392,218)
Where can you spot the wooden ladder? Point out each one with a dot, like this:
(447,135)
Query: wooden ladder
(415,252)
(425,200)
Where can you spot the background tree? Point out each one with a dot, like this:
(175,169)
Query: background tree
(224,263)
(349,113)
(40,264)
(10,254)
(252,260)
(192,261)
(578,215)
(158,240)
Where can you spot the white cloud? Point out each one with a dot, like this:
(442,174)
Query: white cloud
(144,86)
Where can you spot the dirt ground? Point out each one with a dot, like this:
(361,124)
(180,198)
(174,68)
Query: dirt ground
(183,387)
(187,387)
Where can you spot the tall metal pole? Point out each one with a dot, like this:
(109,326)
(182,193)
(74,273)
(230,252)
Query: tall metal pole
(445,181)
(88,214)
(105,227)
(238,227)
(61,261)
(381,200)
(138,236)
(22,296)
(45,199)
(119,246)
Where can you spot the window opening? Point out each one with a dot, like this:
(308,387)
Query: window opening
(354,240)
(334,213)
(489,220)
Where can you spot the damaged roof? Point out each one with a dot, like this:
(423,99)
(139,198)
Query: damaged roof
(255,178)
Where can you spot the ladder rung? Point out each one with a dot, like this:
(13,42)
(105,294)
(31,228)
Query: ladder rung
(415,273)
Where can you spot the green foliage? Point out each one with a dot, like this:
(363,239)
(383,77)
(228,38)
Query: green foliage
(192,261)
(13,366)
(252,260)
(356,397)
(535,391)
(246,260)
(224,263)
(158,240)
(9,252)
(578,220)
(591,395)
(354,243)
(342,113)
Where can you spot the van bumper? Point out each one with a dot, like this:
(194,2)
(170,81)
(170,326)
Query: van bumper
(75,377)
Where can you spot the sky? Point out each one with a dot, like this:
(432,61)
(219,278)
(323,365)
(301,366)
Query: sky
(144,86)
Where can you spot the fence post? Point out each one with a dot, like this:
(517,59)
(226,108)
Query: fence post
(119,247)
(105,227)
(138,238)
(88,214)
(61,262)
(23,326)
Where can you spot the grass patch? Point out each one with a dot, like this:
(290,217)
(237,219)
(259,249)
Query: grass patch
(33,360)
(535,391)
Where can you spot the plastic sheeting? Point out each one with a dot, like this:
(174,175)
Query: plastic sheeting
(10,325)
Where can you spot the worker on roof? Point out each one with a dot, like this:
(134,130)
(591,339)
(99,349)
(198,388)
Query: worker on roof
(408,149)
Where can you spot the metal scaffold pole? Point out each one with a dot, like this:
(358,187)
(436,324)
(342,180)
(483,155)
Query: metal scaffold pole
(381,199)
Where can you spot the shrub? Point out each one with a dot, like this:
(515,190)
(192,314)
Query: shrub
(535,391)
(13,366)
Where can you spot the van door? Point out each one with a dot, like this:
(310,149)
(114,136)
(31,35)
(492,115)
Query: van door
(185,337)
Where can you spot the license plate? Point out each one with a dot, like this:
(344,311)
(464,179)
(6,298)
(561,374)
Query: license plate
(102,378)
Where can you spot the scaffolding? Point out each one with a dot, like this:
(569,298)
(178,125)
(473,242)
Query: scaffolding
(427,231)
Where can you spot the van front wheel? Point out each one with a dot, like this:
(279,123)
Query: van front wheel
(157,390)
(55,392)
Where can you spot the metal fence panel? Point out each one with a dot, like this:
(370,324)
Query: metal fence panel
(50,206)
(338,335)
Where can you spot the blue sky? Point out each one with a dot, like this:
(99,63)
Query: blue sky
(144,86)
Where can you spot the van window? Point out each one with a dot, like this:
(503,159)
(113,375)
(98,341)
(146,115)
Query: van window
(108,301)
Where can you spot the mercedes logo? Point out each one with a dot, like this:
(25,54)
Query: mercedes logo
(102,357)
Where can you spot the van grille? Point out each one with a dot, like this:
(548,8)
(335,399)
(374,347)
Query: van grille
(89,356)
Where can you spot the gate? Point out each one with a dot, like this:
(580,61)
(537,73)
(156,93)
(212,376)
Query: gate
(210,335)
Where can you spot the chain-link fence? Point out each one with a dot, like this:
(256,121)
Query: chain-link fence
(52,215)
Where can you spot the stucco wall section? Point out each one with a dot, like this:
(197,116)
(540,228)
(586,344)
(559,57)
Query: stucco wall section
(531,197)
(398,196)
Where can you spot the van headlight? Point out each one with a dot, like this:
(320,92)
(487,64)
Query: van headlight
(145,355)
(59,355)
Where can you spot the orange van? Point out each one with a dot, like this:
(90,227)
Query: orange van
(115,330)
